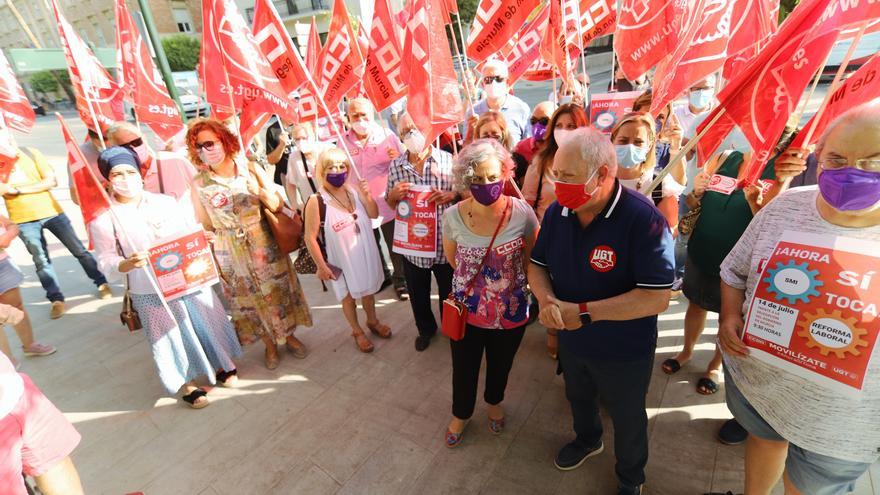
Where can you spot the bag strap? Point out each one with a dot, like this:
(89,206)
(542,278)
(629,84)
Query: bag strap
(540,187)
(121,253)
(306,172)
(473,281)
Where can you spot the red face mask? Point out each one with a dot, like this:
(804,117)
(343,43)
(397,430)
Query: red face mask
(573,196)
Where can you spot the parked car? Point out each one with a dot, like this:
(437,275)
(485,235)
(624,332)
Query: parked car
(38,109)
(193,105)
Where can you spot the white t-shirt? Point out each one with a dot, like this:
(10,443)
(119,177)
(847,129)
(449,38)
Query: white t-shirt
(813,417)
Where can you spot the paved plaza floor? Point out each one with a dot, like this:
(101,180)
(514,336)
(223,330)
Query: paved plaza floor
(342,422)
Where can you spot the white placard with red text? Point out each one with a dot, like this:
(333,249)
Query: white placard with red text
(415,228)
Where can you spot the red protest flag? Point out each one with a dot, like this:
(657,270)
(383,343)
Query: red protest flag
(702,50)
(382,79)
(528,45)
(98,96)
(308,104)
(554,48)
(149,96)
(8,152)
(212,75)
(494,24)
(93,199)
(15,109)
(647,31)
(540,70)
(753,22)
(276,45)
(434,101)
(597,19)
(862,86)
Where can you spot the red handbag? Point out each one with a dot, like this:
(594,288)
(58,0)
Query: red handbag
(455,313)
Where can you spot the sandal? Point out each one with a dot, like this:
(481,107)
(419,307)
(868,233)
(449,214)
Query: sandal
(671,366)
(706,386)
(300,351)
(228,379)
(193,399)
(380,330)
(363,343)
(402,293)
(272,359)
(496,426)
(453,439)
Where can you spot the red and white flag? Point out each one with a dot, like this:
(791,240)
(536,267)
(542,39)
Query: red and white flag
(15,109)
(495,23)
(95,90)
(434,100)
(527,48)
(382,77)
(598,19)
(93,199)
(647,31)
(212,75)
(540,70)
(142,83)
(702,50)
(753,23)
(276,45)
(554,48)
(313,49)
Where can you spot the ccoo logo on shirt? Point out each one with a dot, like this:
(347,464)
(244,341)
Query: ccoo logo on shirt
(602,258)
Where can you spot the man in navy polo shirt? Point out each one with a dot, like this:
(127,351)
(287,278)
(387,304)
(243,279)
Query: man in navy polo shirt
(602,268)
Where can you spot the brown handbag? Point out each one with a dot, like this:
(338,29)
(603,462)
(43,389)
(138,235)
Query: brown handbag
(129,316)
(286,224)
(455,313)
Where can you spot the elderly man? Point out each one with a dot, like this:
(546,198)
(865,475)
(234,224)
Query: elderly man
(423,165)
(498,97)
(165,172)
(601,269)
(373,147)
(526,149)
(804,425)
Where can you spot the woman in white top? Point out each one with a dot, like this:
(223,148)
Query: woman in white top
(339,236)
(198,339)
(635,142)
(299,181)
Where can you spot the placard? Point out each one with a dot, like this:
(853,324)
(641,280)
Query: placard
(814,311)
(183,264)
(606,109)
(415,228)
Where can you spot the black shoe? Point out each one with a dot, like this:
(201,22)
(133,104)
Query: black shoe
(574,454)
(731,433)
(385,284)
(422,342)
(629,490)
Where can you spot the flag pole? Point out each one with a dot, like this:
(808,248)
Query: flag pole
(683,152)
(611,85)
(580,42)
(98,130)
(803,106)
(835,84)
(463,60)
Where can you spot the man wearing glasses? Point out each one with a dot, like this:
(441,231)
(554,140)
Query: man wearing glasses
(498,98)
(526,149)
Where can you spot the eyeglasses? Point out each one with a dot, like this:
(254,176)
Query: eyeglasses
(544,121)
(491,79)
(206,145)
(134,143)
(866,164)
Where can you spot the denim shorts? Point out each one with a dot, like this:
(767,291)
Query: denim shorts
(810,472)
(10,275)
(701,289)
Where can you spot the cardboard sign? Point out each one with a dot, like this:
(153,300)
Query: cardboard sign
(607,108)
(183,264)
(415,228)
(814,311)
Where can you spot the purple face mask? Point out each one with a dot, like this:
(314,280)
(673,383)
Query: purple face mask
(538,131)
(337,179)
(486,194)
(850,189)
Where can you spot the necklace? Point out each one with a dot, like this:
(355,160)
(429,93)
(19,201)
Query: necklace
(350,208)
(470,215)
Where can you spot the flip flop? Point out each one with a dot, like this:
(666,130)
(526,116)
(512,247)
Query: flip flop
(194,396)
(670,366)
(381,330)
(706,386)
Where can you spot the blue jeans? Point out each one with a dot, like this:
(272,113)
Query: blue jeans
(31,233)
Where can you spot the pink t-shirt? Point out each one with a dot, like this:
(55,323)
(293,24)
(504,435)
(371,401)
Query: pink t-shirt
(177,174)
(373,162)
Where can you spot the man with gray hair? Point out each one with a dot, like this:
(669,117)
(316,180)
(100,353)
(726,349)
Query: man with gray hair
(601,269)
(516,112)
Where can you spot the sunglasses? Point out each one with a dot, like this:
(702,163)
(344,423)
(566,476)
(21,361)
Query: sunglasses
(206,145)
(490,79)
(545,121)
(134,143)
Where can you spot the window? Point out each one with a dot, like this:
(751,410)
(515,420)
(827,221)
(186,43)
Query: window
(183,20)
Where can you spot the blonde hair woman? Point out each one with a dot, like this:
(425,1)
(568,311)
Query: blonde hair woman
(339,236)
(492,124)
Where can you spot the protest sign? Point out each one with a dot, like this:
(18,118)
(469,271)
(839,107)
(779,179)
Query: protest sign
(607,108)
(415,229)
(814,311)
(183,264)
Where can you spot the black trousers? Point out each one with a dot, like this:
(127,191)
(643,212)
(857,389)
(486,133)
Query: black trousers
(621,386)
(418,283)
(467,355)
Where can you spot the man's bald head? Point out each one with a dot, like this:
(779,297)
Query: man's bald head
(544,109)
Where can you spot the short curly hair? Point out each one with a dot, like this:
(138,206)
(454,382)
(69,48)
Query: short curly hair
(476,153)
(227,138)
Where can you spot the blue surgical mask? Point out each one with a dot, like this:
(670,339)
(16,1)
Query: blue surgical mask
(630,155)
(701,98)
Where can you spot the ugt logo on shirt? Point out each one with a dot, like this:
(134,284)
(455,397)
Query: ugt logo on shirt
(602,258)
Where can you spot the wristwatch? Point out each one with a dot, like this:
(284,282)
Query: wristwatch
(586,319)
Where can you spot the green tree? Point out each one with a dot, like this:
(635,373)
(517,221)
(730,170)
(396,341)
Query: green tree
(182,52)
(785,8)
(44,82)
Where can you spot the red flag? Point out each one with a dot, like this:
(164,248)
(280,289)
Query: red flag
(212,76)
(494,24)
(768,89)
(149,96)
(862,86)
(434,101)
(383,71)
(313,50)
(93,199)
(528,45)
(554,48)
(15,109)
(276,45)
(647,30)
(701,51)
(754,21)
(540,70)
(597,19)
(91,83)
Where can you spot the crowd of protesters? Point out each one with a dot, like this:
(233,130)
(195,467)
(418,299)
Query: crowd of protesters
(588,249)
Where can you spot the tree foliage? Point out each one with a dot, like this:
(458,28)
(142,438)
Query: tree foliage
(182,52)
(785,8)
(46,81)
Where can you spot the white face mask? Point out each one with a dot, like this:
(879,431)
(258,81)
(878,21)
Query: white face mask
(496,89)
(414,141)
(362,127)
(128,186)
(561,135)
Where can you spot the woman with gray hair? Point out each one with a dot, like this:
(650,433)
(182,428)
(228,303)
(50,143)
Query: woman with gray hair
(487,239)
